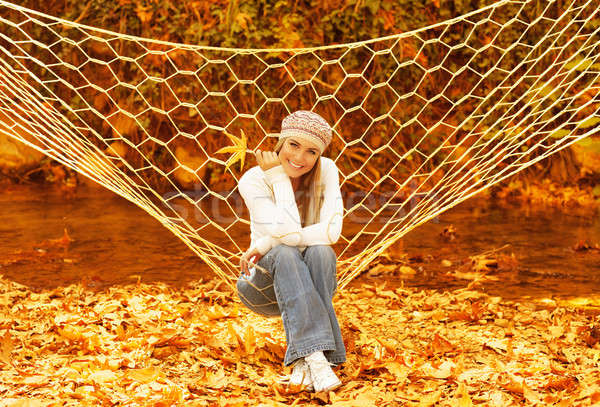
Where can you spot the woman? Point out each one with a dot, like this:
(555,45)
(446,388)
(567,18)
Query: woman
(296,209)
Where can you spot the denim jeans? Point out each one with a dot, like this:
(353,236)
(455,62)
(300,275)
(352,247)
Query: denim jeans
(299,287)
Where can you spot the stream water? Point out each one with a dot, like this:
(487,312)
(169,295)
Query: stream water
(541,239)
(114,242)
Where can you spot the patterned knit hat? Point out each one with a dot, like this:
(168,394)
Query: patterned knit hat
(308,126)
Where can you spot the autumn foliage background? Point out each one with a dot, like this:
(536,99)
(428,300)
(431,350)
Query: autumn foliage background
(260,24)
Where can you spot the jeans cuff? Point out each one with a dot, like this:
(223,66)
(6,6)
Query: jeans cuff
(336,361)
(292,356)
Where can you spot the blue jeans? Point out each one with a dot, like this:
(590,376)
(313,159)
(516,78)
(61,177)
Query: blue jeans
(299,287)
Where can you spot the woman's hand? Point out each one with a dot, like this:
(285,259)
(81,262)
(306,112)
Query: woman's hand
(248,257)
(267,159)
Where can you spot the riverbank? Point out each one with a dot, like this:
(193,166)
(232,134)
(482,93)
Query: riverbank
(507,249)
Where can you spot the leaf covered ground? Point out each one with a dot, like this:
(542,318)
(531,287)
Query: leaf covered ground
(152,344)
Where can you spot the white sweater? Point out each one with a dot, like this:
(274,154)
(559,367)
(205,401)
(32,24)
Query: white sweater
(274,216)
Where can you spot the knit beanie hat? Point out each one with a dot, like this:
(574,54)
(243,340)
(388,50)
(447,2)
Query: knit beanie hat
(308,126)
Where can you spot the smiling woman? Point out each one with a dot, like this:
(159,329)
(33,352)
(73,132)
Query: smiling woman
(301,161)
(297,157)
(295,206)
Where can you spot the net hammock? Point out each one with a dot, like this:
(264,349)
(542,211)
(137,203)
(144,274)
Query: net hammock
(422,120)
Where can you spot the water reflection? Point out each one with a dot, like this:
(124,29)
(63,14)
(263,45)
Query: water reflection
(117,243)
(114,241)
(541,239)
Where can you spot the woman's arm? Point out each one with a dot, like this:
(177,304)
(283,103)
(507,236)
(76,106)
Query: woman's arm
(280,218)
(266,243)
(326,232)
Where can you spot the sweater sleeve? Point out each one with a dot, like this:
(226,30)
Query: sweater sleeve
(266,243)
(280,217)
(329,228)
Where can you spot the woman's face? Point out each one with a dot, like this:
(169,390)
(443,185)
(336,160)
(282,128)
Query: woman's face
(298,156)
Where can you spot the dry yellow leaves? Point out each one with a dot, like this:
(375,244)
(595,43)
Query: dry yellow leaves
(548,193)
(152,344)
(6,347)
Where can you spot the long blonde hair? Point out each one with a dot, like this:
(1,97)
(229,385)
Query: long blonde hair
(309,193)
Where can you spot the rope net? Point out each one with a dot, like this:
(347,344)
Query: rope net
(422,120)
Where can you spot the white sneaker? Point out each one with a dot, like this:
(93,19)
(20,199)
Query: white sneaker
(301,375)
(323,376)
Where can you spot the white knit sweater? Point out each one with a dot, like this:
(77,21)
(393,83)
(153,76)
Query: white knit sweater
(274,216)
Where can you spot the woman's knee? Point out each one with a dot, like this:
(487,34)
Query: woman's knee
(322,252)
(287,253)
(322,258)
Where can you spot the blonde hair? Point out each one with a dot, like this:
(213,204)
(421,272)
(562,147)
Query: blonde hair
(309,192)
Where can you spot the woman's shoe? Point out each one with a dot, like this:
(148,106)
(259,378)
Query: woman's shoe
(301,375)
(323,376)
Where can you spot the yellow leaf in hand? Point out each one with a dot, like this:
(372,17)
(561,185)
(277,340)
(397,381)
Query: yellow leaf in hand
(238,149)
